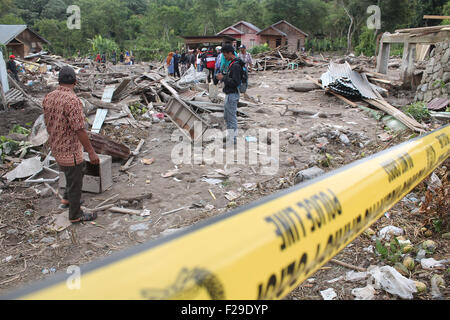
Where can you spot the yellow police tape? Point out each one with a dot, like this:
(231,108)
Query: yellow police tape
(265,250)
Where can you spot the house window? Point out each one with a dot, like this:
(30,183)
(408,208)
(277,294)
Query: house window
(252,43)
(33,45)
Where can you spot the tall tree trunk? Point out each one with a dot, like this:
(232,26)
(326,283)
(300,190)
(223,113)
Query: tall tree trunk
(349,33)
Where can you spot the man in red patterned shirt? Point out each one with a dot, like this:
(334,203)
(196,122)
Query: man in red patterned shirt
(64,118)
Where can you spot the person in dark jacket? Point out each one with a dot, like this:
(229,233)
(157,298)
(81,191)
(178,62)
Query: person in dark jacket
(176,64)
(232,81)
(12,67)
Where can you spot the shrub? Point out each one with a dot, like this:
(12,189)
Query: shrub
(418,111)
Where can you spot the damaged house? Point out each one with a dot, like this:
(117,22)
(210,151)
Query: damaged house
(20,40)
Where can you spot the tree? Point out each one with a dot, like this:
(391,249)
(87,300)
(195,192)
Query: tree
(54,9)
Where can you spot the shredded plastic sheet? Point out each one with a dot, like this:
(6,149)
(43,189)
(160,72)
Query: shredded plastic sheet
(192,76)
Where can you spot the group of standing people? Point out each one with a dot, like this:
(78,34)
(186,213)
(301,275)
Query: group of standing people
(223,65)
(124,58)
(213,61)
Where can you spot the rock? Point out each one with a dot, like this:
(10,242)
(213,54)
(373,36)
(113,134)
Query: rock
(344,139)
(446,236)
(293,140)
(445,57)
(428,233)
(420,286)
(421,255)
(408,248)
(309,136)
(139,227)
(401,269)
(308,174)
(408,262)
(304,86)
(429,245)
(48,240)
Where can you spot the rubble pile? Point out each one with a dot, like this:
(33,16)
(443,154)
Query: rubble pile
(281,59)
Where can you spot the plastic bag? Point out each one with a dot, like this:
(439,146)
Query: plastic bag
(390,280)
(39,134)
(366,293)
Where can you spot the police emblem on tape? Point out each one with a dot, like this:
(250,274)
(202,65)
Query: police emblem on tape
(189,285)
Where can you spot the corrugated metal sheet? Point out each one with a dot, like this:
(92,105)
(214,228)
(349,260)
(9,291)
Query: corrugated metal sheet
(343,80)
(438,104)
(9,32)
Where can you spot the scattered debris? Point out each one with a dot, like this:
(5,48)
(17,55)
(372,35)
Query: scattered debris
(387,232)
(390,280)
(366,293)
(328,294)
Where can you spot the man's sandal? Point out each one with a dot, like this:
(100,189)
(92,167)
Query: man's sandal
(66,206)
(85,217)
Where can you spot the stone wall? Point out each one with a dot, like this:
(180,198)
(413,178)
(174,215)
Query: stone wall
(436,77)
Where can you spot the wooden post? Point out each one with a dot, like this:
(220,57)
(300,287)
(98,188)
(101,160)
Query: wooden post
(407,69)
(383,57)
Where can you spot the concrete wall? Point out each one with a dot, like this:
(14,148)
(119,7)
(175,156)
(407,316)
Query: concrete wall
(436,77)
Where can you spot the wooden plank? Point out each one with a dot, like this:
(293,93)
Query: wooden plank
(15,84)
(436,17)
(429,38)
(99,119)
(416,30)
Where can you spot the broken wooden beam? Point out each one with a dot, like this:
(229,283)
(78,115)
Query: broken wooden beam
(135,153)
(125,211)
(106,146)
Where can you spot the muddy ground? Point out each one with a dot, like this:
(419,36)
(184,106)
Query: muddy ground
(28,253)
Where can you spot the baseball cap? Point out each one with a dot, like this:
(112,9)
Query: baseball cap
(242,47)
(67,75)
(204,49)
(12,56)
(218,48)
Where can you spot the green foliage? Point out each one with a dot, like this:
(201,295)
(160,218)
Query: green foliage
(446,12)
(418,111)
(21,130)
(439,84)
(437,225)
(367,43)
(390,254)
(8,146)
(260,49)
(151,28)
(322,45)
(102,45)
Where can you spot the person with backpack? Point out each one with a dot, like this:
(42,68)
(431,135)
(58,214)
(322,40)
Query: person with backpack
(232,80)
(210,58)
(247,59)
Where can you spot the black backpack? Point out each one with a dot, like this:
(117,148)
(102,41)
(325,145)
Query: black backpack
(244,74)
